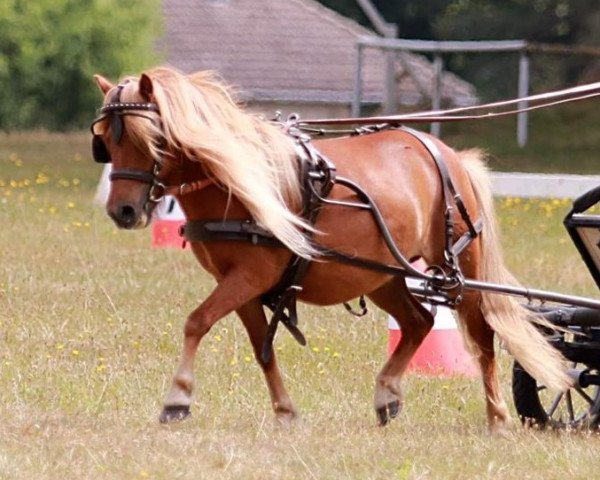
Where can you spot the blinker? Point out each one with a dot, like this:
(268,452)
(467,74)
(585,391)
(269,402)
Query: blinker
(99,150)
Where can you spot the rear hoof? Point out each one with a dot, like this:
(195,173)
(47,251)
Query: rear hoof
(387,412)
(174,413)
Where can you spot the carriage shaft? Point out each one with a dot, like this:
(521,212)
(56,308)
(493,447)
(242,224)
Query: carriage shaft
(531,294)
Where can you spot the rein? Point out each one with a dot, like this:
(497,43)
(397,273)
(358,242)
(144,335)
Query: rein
(550,99)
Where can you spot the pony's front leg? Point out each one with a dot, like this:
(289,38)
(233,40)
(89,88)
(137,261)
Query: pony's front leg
(232,292)
(253,316)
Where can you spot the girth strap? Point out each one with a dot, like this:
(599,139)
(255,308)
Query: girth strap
(318,178)
(283,295)
(281,302)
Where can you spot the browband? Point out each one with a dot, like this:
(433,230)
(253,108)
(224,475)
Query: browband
(119,107)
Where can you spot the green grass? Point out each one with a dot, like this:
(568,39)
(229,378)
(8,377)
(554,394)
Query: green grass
(90,330)
(537,247)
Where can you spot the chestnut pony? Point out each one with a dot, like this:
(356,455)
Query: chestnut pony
(221,162)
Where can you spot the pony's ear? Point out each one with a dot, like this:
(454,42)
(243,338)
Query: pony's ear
(103,84)
(146,87)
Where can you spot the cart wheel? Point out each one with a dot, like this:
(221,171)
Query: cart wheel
(578,407)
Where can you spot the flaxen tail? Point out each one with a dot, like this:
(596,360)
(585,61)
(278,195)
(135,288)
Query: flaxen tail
(512,322)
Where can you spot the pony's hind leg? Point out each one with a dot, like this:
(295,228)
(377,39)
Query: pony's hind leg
(232,292)
(479,338)
(255,322)
(416,322)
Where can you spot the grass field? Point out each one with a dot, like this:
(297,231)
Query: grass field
(90,330)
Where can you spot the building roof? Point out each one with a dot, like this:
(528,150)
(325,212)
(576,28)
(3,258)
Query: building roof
(292,50)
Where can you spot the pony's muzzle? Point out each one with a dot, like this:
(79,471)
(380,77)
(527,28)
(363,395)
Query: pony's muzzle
(128,216)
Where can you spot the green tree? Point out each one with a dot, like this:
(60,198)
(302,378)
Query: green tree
(49,50)
(565,22)
(562,21)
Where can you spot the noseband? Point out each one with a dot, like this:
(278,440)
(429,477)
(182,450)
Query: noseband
(115,110)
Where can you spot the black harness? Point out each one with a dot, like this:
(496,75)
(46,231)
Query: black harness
(319,177)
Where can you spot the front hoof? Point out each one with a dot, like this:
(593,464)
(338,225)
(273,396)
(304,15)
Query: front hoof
(286,419)
(387,412)
(174,413)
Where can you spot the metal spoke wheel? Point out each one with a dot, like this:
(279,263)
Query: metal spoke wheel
(537,406)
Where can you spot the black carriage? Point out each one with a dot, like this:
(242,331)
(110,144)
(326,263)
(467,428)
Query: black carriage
(577,338)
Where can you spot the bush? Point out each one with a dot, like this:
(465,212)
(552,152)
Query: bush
(49,50)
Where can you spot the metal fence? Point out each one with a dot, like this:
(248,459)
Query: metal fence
(440,48)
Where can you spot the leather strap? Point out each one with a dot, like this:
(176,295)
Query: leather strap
(246,231)
(450,192)
(128,174)
(451,272)
(186,188)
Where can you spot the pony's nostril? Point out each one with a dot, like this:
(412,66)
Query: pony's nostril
(126,214)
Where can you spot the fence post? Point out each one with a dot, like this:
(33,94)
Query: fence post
(357,96)
(390,83)
(522,118)
(436,94)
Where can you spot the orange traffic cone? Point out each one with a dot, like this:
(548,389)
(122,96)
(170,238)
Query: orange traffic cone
(167,220)
(442,352)
(165,233)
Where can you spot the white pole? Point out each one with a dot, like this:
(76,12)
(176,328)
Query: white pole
(436,94)
(357,97)
(522,118)
(389,105)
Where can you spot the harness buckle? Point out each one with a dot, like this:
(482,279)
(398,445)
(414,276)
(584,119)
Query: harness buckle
(157,191)
(181,187)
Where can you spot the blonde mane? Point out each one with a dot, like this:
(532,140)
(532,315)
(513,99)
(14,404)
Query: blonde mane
(252,158)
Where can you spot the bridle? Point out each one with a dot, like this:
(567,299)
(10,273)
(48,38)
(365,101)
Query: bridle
(115,110)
